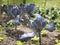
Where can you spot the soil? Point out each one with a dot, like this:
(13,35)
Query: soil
(11,36)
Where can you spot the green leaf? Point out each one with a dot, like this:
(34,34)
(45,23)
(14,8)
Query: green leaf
(57,41)
(10,23)
(43,32)
(1,39)
(35,38)
(57,44)
(19,43)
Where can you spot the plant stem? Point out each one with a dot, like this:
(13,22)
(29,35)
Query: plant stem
(39,37)
(15,27)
